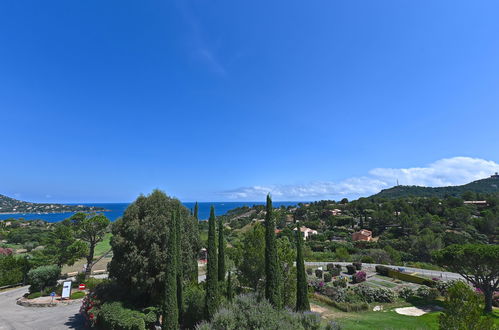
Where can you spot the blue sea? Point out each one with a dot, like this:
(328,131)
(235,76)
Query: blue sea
(116,210)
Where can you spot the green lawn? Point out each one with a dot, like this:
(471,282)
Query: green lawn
(390,320)
(104,246)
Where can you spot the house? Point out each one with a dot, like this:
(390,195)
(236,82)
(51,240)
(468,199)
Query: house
(362,235)
(334,212)
(477,203)
(307,232)
(278,231)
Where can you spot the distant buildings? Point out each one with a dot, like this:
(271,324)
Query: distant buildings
(307,232)
(362,235)
(478,203)
(495,176)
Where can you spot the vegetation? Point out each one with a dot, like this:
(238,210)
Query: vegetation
(272,288)
(479,264)
(221,251)
(13,270)
(212,298)
(11,205)
(302,303)
(171,311)
(42,277)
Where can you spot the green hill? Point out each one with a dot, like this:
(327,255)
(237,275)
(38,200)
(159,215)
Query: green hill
(485,186)
(11,205)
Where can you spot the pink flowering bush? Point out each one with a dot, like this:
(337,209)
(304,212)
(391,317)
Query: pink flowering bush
(359,277)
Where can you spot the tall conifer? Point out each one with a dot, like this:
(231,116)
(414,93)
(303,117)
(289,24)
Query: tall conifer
(302,303)
(211,299)
(170,307)
(195,272)
(272,285)
(230,294)
(180,289)
(221,251)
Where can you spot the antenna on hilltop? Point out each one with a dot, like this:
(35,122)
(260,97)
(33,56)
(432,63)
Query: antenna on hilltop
(398,182)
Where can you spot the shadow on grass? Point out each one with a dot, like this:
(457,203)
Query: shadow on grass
(420,302)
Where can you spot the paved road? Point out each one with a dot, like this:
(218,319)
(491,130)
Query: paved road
(13,316)
(445,276)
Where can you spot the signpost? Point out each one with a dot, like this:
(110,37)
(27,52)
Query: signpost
(66,289)
(52,294)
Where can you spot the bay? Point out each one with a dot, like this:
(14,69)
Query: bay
(116,210)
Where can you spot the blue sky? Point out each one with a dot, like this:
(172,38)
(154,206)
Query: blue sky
(227,100)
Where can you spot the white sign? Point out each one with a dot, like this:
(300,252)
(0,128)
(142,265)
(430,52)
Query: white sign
(66,289)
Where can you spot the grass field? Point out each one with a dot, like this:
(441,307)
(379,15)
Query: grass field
(104,246)
(390,320)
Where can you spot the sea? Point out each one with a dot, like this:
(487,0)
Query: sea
(116,210)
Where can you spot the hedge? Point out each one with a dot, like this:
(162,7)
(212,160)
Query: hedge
(113,316)
(343,306)
(410,278)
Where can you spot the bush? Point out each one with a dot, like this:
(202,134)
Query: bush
(79,279)
(330,267)
(427,293)
(310,271)
(367,259)
(246,312)
(77,295)
(357,265)
(343,306)
(370,295)
(443,286)
(338,266)
(327,277)
(12,269)
(350,269)
(335,272)
(406,293)
(340,283)
(317,285)
(336,293)
(382,270)
(91,283)
(114,316)
(42,277)
(194,305)
(318,273)
(359,277)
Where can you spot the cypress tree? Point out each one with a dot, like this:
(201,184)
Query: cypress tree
(170,307)
(221,251)
(229,287)
(272,285)
(302,303)
(180,289)
(211,298)
(195,273)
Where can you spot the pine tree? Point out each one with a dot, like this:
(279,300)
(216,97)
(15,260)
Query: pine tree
(170,307)
(211,300)
(272,285)
(178,254)
(230,294)
(221,251)
(302,303)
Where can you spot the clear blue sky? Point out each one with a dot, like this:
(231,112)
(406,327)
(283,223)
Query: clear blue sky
(219,100)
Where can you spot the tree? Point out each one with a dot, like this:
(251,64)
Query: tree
(211,300)
(170,307)
(91,229)
(272,287)
(302,303)
(221,251)
(286,253)
(477,263)
(42,277)
(178,268)
(137,243)
(463,310)
(62,247)
(230,294)
(252,265)
(196,247)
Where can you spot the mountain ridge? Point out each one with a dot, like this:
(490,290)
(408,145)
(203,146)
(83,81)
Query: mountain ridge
(10,205)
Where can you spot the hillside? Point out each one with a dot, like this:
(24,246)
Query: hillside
(11,205)
(485,186)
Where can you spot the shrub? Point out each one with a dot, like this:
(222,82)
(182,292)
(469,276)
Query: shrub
(91,283)
(335,272)
(310,271)
(343,306)
(369,295)
(350,269)
(336,293)
(327,277)
(357,265)
(406,293)
(317,285)
(42,277)
(443,286)
(367,259)
(77,295)
(114,316)
(79,279)
(12,269)
(427,293)
(340,283)
(382,270)
(338,266)
(359,277)
(194,305)
(329,267)
(318,273)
